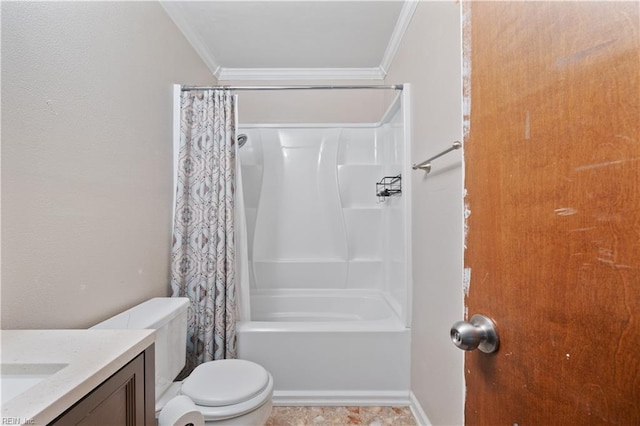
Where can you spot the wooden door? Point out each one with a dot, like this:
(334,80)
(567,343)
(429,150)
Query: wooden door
(552,160)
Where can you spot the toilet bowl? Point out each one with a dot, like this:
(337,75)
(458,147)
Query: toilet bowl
(227,392)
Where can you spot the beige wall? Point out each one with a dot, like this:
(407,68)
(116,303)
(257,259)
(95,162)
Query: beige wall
(430,59)
(310,106)
(86,157)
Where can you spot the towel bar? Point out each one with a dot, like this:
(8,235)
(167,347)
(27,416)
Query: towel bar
(426,164)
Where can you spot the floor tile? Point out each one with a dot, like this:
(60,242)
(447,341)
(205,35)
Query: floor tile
(336,416)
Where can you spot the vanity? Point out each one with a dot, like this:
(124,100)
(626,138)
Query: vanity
(65,377)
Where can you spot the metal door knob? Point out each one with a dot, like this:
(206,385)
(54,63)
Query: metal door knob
(480,332)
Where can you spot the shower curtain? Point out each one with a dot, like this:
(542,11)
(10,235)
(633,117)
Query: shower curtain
(204,250)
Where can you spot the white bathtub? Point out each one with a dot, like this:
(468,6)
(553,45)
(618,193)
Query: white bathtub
(326,347)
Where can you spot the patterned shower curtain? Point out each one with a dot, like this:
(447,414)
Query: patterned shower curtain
(203,251)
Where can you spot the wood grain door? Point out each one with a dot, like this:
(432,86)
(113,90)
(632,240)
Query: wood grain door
(552,158)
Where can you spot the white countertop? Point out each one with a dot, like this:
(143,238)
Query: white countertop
(87,358)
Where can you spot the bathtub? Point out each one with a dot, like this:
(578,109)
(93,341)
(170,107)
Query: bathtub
(328,347)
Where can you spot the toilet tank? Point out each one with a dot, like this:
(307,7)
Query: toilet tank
(168,316)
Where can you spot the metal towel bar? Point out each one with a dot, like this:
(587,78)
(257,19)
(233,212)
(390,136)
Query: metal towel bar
(426,164)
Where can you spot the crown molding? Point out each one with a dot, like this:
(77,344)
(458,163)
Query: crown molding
(276,74)
(406,13)
(271,74)
(173,10)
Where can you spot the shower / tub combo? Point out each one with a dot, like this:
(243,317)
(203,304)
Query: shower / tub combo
(328,244)
(323,247)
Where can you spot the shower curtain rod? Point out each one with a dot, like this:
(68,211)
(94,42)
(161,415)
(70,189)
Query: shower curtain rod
(299,87)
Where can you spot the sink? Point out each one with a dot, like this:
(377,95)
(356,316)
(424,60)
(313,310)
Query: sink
(17,378)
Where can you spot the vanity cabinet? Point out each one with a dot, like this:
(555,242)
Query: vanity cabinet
(125,398)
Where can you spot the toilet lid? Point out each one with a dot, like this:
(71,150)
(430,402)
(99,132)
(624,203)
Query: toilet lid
(225,382)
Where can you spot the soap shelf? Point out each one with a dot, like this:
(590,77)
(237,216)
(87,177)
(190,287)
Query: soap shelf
(389,186)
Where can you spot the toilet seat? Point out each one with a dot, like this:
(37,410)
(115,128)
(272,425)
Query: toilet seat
(228,388)
(225,382)
(237,410)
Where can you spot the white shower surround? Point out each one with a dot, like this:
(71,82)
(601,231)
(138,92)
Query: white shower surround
(325,255)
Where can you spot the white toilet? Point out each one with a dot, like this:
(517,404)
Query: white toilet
(226,392)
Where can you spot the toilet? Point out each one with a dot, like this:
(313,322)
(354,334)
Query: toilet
(229,392)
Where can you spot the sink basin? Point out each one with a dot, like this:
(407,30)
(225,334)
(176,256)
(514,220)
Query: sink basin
(17,378)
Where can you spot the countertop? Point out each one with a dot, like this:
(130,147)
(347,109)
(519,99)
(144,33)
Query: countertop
(86,358)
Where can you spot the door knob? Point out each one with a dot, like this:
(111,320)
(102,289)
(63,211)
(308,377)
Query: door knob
(480,332)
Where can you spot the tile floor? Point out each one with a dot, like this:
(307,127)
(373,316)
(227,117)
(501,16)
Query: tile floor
(337,416)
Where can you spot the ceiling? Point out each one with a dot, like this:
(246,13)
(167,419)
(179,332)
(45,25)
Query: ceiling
(290,40)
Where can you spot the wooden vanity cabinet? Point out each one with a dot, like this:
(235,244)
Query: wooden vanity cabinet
(125,398)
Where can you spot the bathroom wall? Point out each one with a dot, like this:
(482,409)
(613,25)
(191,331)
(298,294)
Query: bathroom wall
(310,106)
(430,59)
(86,157)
